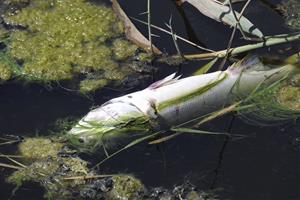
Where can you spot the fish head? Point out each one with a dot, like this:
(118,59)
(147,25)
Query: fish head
(104,124)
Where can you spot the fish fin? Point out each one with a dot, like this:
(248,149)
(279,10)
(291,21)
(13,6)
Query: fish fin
(249,63)
(166,81)
(204,69)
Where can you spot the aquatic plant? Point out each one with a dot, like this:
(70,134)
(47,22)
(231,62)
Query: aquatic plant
(273,104)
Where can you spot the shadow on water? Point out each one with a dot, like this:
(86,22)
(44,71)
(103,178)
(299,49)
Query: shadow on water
(264,166)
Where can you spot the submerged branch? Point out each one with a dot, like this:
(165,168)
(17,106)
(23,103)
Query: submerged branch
(10,166)
(88,177)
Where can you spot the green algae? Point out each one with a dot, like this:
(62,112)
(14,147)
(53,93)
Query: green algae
(123,49)
(39,148)
(6,72)
(89,85)
(60,35)
(35,172)
(46,166)
(289,97)
(66,176)
(145,57)
(8,68)
(272,104)
(50,173)
(126,187)
(3,33)
(66,40)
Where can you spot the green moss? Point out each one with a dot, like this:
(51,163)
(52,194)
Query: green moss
(6,72)
(39,148)
(90,85)
(126,187)
(123,49)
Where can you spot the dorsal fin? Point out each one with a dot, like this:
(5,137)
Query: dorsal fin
(166,81)
(249,62)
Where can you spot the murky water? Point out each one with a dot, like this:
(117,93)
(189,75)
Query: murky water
(263,166)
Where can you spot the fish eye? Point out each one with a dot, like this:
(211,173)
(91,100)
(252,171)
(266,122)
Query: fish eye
(80,140)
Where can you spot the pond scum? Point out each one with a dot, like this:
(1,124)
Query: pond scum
(53,40)
(65,176)
(48,41)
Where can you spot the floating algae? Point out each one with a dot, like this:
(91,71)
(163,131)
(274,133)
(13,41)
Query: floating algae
(39,148)
(126,187)
(6,72)
(123,49)
(49,168)
(274,104)
(91,85)
(289,97)
(57,40)
(65,176)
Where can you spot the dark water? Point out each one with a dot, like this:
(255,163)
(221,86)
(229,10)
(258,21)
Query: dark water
(263,166)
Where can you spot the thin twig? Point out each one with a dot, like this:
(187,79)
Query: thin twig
(131,144)
(13,160)
(10,166)
(10,156)
(179,37)
(149,24)
(238,18)
(9,142)
(234,31)
(269,41)
(210,117)
(164,139)
(174,37)
(87,177)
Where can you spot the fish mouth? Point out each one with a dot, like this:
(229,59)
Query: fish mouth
(106,123)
